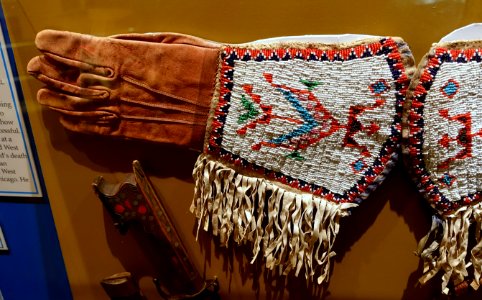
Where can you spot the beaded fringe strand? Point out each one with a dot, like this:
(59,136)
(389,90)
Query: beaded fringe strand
(445,247)
(290,229)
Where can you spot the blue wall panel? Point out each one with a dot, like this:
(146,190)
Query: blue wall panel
(33,267)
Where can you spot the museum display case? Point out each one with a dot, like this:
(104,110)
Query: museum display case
(374,245)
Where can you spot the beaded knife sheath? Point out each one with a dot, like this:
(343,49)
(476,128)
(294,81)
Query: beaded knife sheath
(135,200)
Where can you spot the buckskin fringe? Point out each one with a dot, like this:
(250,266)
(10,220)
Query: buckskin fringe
(445,248)
(290,229)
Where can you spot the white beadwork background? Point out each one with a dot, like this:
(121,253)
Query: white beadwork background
(463,176)
(343,84)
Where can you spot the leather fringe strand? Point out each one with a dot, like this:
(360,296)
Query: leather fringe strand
(445,248)
(289,229)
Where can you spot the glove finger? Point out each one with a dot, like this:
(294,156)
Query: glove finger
(89,124)
(103,118)
(127,108)
(76,106)
(167,38)
(166,116)
(54,78)
(138,96)
(93,80)
(54,99)
(73,89)
(191,136)
(84,51)
(50,68)
(80,65)
(155,102)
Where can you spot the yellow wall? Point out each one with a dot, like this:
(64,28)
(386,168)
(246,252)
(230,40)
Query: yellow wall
(375,247)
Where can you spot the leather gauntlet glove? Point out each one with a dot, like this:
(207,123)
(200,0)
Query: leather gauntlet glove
(444,135)
(155,87)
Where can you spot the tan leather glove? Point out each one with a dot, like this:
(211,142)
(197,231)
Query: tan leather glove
(154,87)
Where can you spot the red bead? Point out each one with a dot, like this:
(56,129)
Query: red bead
(119,208)
(142,209)
(128,204)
